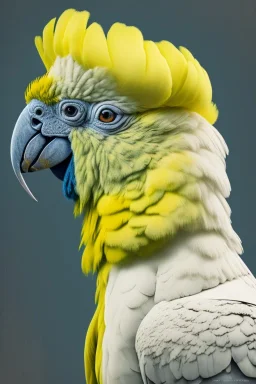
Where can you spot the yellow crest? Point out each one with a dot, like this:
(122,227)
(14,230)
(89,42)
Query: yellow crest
(153,74)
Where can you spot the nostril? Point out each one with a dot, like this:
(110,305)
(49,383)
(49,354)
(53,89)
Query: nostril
(35,122)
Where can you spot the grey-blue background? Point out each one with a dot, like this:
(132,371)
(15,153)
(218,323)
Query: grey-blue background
(46,302)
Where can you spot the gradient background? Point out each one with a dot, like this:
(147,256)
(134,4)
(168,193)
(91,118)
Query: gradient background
(46,302)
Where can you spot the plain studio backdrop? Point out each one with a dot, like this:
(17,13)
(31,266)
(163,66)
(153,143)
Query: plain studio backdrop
(46,302)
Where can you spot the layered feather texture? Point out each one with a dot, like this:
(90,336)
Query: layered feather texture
(193,339)
(160,185)
(132,313)
(163,176)
(152,74)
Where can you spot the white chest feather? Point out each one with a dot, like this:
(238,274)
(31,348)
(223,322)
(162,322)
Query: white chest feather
(129,297)
(200,259)
(185,269)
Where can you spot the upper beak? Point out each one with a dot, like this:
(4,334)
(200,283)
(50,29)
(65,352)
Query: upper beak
(33,151)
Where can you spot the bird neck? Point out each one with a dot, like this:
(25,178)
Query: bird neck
(195,262)
(183,188)
(173,212)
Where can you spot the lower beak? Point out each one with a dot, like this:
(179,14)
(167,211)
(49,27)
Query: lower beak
(32,151)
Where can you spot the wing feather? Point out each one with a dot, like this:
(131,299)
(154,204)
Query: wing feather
(197,341)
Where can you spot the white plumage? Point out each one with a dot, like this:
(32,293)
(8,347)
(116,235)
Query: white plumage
(156,305)
(188,314)
(195,337)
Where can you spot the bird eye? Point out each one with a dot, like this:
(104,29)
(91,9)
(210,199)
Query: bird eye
(107,116)
(70,111)
(39,111)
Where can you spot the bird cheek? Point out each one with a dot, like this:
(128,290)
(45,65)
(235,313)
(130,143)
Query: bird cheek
(52,126)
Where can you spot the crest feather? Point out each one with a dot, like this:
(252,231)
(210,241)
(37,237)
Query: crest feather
(153,74)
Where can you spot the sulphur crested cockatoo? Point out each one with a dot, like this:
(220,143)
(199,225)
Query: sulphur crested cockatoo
(127,125)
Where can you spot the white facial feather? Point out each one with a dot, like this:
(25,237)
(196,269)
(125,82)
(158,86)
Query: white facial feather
(92,85)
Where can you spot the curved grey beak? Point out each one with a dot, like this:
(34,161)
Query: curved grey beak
(31,150)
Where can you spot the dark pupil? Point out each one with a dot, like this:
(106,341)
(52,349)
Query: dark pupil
(38,111)
(107,114)
(70,111)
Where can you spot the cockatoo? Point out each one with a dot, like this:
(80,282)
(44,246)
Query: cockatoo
(127,125)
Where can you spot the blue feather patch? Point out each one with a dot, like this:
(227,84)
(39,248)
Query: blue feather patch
(69,182)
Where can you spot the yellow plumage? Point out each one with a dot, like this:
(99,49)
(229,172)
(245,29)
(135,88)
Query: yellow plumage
(95,333)
(131,217)
(152,74)
(124,217)
(42,88)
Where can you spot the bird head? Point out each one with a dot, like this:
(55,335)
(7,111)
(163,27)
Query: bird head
(121,122)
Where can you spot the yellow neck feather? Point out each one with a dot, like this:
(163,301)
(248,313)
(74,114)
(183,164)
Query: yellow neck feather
(132,208)
(95,333)
(119,228)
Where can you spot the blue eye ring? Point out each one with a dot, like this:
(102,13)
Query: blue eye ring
(72,111)
(116,115)
(107,115)
(114,122)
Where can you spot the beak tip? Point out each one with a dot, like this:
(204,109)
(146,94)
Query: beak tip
(29,192)
(34,198)
(21,180)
